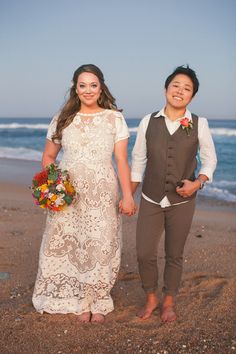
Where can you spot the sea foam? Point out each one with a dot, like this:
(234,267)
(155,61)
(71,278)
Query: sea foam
(133,130)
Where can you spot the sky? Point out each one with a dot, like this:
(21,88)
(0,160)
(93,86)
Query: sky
(136,43)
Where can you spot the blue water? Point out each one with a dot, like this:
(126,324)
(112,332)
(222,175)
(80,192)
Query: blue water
(24,138)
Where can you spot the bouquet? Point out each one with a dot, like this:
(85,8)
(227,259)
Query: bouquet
(52,189)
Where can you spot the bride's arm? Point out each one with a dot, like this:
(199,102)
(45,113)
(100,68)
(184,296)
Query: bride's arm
(121,157)
(50,153)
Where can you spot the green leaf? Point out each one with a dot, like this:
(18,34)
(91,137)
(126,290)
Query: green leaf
(44,201)
(68,199)
(53,175)
(37,194)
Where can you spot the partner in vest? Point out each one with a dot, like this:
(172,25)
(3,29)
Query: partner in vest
(165,153)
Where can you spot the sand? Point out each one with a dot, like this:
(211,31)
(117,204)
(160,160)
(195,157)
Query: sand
(205,303)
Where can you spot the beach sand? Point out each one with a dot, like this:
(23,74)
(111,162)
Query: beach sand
(205,303)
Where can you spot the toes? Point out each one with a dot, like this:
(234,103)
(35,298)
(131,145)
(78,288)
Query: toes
(145,313)
(168,314)
(98,318)
(84,317)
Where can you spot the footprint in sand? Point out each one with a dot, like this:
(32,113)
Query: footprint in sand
(203,285)
(126,276)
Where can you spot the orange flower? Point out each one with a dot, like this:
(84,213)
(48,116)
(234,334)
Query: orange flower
(53,198)
(69,187)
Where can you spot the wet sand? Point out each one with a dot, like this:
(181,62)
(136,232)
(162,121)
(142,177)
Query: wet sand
(205,304)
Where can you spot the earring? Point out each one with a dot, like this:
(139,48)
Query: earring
(100,100)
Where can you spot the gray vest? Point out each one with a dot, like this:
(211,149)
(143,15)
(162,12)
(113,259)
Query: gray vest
(170,158)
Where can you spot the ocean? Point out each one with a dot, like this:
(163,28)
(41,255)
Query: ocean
(24,138)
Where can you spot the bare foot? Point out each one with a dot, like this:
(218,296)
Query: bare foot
(151,304)
(167,311)
(97,318)
(168,314)
(84,317)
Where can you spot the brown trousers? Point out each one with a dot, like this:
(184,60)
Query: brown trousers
(176,221)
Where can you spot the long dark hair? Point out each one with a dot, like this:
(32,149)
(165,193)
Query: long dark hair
(73,104)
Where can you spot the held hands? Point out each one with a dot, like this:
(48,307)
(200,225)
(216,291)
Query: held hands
(188,188)
(127,206)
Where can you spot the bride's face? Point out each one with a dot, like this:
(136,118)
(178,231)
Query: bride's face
(88,89)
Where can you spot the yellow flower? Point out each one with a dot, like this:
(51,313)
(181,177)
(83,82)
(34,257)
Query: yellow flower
(69,187)
(44,187)
(50,181)
(53,198)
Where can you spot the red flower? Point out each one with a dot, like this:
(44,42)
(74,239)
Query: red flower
(41,177)
(186,124)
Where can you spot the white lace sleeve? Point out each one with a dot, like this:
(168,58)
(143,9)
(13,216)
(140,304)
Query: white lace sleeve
(52,129)
(122,131)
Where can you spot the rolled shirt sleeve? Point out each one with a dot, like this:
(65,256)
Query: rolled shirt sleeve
(139,153)
(207,151)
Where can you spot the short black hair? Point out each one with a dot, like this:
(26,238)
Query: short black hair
(186,71)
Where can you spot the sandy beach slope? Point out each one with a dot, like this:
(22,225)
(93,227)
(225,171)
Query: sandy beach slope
(205,304)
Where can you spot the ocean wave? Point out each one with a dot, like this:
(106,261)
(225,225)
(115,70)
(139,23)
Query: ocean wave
(132,130)
(224,183)
(214,131)
(218,193)
(24,126)
(41,127)
(20,153)
(223,131)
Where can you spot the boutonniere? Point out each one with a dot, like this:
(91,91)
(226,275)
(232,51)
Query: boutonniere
(187,125)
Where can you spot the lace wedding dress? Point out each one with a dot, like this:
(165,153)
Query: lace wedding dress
(80,252)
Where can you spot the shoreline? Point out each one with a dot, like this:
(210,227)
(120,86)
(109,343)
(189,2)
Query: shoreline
(20,172)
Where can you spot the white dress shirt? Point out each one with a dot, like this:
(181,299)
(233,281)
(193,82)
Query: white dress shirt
(207,152)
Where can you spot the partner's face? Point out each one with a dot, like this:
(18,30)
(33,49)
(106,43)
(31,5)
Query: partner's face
(88,89)
(180,91)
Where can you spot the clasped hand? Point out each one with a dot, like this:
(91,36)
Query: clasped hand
(187,189)
(127,206)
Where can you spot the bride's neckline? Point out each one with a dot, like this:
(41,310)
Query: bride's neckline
(91,114)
